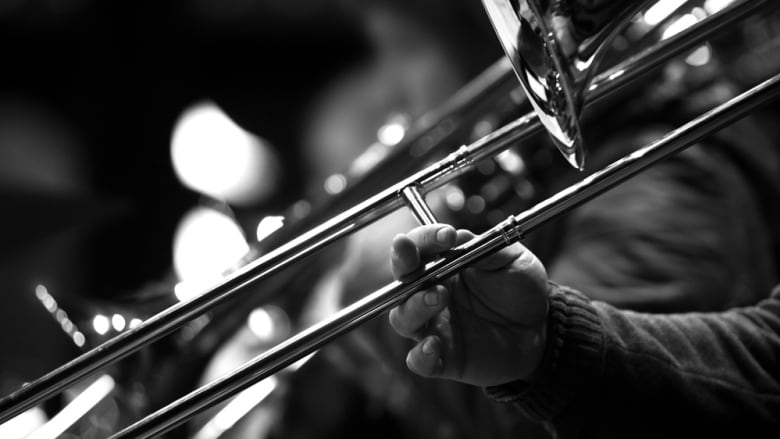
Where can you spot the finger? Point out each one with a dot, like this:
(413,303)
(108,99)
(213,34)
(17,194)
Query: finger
(440,324)
(433,239)
(410,251)
(425,359)
(463,236)
(411,318)
(498,260)
(404,256)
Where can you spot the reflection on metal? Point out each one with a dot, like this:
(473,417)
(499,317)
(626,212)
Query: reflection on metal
(555,74)
(417,205)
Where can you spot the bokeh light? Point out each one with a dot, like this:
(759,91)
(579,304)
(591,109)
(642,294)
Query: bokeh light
(214,156)
(658,12)
(268,226)
(24,424)
(394,130)
(268,323)
(207,243)
(335,184)
(101,324)
(118,322)
(679,25)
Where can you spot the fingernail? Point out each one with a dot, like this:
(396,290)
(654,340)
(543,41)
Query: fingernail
(427,347)
(431,298)
(444,235)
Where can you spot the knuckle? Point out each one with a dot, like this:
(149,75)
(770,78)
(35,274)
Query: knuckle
(417,301)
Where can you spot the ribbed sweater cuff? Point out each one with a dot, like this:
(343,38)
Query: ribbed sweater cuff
(571,362)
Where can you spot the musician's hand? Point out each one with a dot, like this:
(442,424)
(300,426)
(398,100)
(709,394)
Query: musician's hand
(485,326)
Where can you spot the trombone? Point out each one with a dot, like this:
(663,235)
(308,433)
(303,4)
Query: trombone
(410,193)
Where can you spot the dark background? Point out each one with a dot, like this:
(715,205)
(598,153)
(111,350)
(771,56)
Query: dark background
(119,73)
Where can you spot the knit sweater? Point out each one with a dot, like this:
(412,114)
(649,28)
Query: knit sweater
(612,373)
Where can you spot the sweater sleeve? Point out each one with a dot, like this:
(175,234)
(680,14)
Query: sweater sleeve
(685,235)
(612,373)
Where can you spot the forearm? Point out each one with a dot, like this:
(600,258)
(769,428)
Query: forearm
(608,370)
(702,371)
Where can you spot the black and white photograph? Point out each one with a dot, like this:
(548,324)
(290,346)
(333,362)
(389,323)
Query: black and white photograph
(390,219)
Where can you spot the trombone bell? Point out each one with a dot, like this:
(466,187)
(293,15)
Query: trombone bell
(553,69)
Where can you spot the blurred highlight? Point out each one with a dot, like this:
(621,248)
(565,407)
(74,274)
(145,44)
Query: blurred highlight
(77,408)
(206,245)
(23,425)
(214,156)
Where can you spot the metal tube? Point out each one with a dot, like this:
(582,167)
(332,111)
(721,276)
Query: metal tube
(416,203)
(504,234)
(351,220)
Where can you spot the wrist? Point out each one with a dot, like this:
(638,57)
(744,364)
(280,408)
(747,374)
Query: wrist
(570,363)
(541,347)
